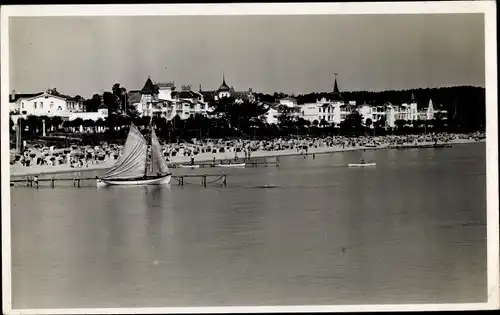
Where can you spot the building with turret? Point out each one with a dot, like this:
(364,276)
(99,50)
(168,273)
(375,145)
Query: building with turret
(224,91)
(162,99)
(333,109)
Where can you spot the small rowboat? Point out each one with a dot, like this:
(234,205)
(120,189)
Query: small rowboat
(362,164)
(267,186)
(189,166)
(232,165)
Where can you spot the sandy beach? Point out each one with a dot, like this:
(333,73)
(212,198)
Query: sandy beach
(17,169)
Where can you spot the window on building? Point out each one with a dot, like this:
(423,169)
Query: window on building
(51,104)
(34,105)
(22,105)
(41,105)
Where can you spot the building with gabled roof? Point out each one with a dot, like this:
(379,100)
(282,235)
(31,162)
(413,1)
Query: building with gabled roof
(46,103)
(149,88)
(164,100)
(51,103)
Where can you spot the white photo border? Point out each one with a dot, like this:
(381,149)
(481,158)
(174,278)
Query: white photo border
(488,8)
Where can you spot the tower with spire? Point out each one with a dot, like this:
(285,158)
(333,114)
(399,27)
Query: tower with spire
(430,110)
(224,90)
(413,108)
(336,96)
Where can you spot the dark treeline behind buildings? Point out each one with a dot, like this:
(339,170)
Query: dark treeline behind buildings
(466,108)
(465,104)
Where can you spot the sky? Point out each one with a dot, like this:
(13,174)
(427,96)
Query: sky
(290,54)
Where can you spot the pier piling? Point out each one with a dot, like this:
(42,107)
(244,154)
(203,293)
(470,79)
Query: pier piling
(34,180)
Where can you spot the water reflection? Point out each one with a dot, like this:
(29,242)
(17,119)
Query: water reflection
(397,233)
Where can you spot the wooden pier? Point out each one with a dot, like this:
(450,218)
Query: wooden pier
(218,177)
(424,146)
(204,179)
(33,181)
(255,162)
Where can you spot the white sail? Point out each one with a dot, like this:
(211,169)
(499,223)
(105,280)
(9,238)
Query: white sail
(158,165)
(132,162)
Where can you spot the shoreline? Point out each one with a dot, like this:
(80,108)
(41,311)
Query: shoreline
(21,171)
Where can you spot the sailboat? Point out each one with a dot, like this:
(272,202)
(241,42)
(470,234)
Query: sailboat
(132,167)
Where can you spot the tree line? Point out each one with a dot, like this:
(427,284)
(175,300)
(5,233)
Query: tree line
(225,124)
(465,105)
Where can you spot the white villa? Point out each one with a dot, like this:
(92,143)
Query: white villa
(162,99)
(336,109)
(51,103)
(335,113)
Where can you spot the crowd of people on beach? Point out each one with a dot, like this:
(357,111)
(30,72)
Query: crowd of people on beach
(82,157)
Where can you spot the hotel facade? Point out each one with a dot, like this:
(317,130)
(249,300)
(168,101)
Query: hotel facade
(164,100)
(335,110)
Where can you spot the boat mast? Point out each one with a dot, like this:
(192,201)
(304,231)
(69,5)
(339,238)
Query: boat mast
(146,163)
(18,136)
(151,150)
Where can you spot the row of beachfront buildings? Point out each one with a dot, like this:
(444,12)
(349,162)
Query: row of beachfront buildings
(163,99)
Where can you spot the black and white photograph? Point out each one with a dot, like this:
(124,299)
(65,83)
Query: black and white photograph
(249,157)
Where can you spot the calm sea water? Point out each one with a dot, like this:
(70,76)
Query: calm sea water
(411,230)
